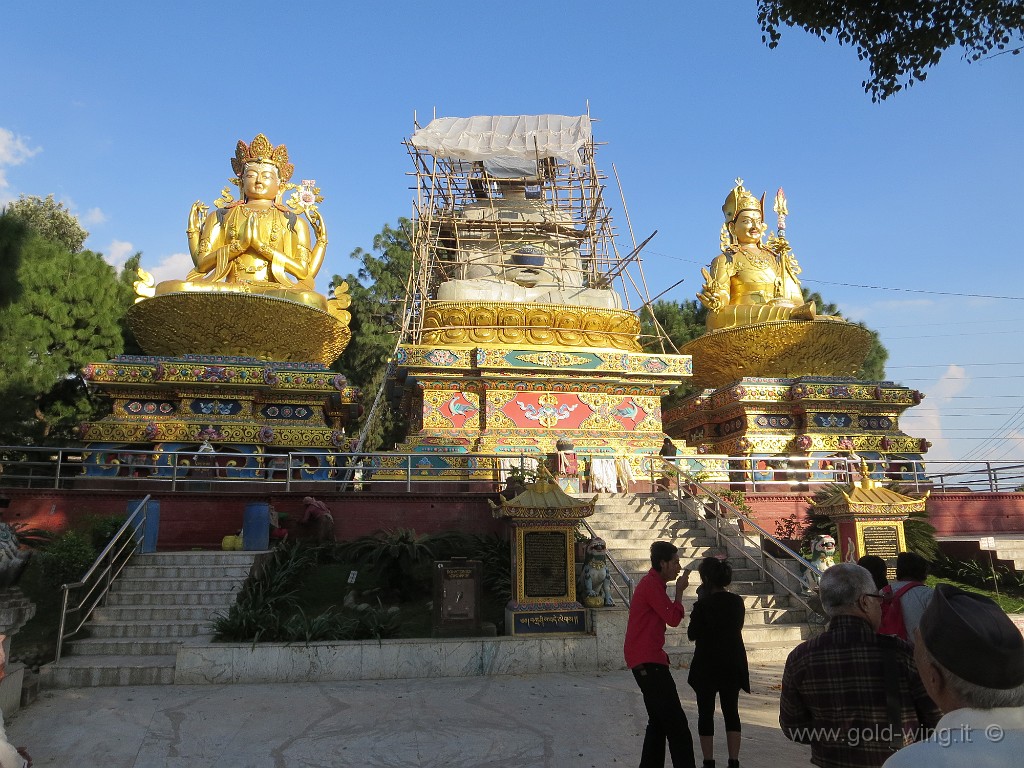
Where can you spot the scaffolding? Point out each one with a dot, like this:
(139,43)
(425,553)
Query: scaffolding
(511,209)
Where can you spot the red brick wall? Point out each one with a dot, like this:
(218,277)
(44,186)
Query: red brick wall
(952,514)
(201,521)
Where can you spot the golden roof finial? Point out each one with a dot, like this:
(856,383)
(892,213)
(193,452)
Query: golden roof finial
(865,473)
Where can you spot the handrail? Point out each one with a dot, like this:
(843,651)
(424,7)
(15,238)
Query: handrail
(49,467)
(729,507)
(628,597)
(135,523)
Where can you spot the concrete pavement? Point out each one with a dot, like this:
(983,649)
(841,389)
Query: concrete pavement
(564,719)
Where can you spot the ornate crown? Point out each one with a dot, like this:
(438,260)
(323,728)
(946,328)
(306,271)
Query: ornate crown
(741,199)
(262,151)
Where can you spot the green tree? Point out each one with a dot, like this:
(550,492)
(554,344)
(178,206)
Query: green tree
(48,219)
(58,311)
(900,39)
(681,322)
(378,291)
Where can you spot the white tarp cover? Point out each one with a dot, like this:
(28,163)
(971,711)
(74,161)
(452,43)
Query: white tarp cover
(523,136)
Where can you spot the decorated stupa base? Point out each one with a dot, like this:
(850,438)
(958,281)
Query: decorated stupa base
(816,417)
(466,402)
(244,408)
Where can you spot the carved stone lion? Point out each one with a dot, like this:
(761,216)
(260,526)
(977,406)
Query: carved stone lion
(596,579)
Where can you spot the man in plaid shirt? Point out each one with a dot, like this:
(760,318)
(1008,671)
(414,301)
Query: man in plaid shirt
(854,695)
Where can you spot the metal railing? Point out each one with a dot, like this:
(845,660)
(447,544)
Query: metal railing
(716,509)
(627,596)
(64,468)
(96,582)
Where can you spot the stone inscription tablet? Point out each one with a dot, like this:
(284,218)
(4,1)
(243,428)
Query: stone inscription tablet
(881,540)
(545,564)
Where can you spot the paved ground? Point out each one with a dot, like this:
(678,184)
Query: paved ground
(593,720)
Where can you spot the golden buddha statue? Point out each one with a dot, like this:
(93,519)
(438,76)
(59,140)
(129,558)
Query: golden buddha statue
(256,244)
(255,266)
(758,322)
(752,281)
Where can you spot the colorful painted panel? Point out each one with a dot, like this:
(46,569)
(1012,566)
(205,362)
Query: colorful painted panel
(547,410)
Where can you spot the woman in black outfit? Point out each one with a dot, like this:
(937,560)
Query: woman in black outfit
(719,663)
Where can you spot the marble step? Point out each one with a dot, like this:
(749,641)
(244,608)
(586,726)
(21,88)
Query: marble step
(205,557)
(184,584)
(126,646)
(238,572)
(148,629)
(89,671)
(183,613)
(123,598)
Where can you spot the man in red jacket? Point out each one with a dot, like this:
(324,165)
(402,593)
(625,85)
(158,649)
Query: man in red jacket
(649,613)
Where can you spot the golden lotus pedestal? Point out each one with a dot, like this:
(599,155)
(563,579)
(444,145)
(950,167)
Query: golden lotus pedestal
(238,324)
(783,394)
(472,398)
(778,349)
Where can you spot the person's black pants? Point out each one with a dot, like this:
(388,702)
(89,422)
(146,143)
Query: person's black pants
(730,700)
(665,719)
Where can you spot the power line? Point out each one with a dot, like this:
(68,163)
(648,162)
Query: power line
(869,287)
(944,365)
(917,290)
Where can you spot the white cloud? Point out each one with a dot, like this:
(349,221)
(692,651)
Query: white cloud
(93,216)
(926,422)
(174,267)
(14,150)
(117,253)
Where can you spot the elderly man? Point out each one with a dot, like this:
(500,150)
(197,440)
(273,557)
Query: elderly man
(852,694)
(971,659)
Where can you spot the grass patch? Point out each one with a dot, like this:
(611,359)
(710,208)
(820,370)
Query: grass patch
(1011,603)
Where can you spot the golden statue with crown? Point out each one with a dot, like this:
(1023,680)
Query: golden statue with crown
(237,352)
(256,259)
(751,281)
(776,380)
(758,322)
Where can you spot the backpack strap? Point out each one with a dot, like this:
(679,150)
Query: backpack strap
(906,588)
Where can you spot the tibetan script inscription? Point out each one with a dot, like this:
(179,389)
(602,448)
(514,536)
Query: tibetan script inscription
(545,564)
(881,540)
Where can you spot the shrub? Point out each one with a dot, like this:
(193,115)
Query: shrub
(400,557)
(101,529)
(67,558)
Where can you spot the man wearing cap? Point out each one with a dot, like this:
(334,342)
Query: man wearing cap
(852,694)
(971,659)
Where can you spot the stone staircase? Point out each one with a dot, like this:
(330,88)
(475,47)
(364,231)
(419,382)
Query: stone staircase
(159,601)
(775,623)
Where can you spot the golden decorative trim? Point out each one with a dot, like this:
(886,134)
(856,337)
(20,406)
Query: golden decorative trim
(488,322)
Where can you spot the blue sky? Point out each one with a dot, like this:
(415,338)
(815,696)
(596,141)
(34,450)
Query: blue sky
(902,213)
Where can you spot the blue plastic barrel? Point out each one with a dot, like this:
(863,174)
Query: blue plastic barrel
(146,538)
(256,526)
